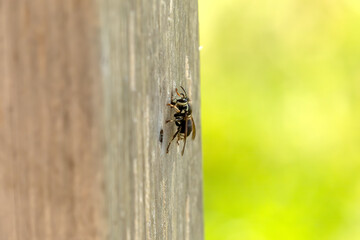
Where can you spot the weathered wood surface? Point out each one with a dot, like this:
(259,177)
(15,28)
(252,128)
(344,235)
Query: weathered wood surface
(83,93)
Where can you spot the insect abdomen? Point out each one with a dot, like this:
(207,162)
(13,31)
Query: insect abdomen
(189,127)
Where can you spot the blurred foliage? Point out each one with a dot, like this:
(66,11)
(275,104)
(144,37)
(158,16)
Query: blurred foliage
(281,119)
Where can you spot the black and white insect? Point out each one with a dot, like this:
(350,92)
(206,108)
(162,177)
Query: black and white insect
(183,119)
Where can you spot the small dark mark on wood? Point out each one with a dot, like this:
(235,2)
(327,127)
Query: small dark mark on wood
(161,136)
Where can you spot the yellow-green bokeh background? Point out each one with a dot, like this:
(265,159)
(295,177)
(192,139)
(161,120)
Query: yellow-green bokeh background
(281,119)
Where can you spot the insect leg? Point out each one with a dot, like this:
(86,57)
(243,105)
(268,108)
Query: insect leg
(173,106)
(167,149)
(171,120)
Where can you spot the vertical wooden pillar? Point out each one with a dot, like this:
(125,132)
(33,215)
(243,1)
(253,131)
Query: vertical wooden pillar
(83,93)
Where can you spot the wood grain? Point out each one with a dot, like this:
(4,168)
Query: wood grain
(83,93)
(150,48)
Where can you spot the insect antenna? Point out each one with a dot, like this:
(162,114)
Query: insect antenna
(184,91)
(177,92)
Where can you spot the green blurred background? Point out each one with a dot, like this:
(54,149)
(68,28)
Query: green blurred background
(281,118)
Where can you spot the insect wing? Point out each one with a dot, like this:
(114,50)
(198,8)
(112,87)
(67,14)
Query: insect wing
(193,128)
(186,122)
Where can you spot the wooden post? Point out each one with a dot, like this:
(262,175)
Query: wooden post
(83,93)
